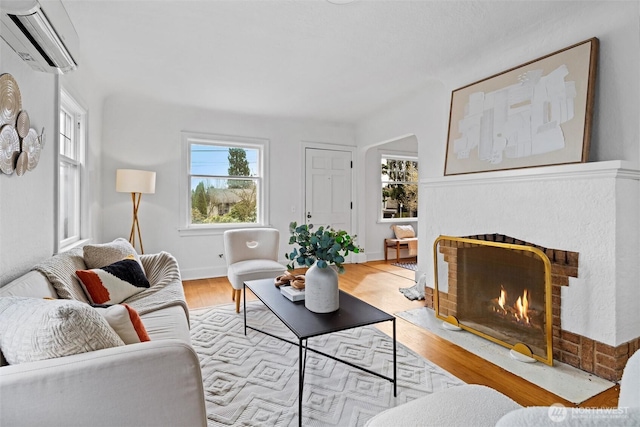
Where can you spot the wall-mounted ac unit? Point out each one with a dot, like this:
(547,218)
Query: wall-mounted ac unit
(41,33)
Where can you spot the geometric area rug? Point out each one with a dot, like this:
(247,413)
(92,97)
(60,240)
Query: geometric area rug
(252,380)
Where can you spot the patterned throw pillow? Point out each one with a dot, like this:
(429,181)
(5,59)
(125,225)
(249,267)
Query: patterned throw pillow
(114,283)
(37,329)
(97,256)
(125,321)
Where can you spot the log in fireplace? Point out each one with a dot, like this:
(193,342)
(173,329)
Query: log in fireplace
(500,291)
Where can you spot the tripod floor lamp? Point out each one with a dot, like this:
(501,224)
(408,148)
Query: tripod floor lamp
(135,182)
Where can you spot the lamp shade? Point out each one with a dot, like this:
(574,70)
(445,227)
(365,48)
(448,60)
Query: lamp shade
(135,181)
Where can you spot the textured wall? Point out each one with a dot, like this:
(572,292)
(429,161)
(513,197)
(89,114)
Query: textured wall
(27,201)
(573,208)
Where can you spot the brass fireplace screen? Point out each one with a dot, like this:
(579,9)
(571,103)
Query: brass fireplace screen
(499,291)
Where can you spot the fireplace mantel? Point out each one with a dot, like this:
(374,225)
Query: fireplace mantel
(608,169)
(590,208)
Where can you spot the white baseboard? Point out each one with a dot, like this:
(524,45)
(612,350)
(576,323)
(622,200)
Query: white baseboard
(203,273)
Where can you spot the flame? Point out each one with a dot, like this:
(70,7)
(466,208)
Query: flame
(520,308)
(523,307)
(503,299)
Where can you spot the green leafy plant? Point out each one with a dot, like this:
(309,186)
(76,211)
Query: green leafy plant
(324,246)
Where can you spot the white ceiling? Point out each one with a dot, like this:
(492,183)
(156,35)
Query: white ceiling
(292,58)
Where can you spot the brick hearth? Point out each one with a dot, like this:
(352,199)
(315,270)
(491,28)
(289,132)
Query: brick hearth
(595,357)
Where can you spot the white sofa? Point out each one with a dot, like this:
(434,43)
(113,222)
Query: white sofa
(157,382)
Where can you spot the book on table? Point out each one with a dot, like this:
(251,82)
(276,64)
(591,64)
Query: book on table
(291,293)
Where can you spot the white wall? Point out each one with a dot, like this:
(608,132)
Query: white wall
(145,134)
(416,115)
(475,210)
(26,202)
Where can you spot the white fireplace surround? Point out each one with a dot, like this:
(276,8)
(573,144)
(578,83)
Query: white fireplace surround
(589,208)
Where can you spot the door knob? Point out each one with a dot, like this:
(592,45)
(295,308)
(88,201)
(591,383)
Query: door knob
(308,214)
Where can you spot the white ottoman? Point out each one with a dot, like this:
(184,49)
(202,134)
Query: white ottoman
(463,406)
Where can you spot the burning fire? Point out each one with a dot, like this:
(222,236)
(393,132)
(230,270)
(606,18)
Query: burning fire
(520,309)
(502,300)
(523,308)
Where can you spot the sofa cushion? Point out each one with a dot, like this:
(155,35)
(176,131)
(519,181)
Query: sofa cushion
(167,323)
(125,321)
(31,284)
(61,269)
(36,329)
(113,283)
(97,256)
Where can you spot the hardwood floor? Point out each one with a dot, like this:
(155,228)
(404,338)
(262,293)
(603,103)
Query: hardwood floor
(377,283)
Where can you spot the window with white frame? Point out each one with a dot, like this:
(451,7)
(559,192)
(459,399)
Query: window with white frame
(399,176)
(70,164)
(225,180)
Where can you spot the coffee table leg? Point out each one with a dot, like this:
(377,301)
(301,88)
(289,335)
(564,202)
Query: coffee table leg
(395,380)
(300,381)
(244,307)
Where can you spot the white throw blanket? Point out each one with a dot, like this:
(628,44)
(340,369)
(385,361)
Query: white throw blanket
(161,269)
(166,285)
(413,247)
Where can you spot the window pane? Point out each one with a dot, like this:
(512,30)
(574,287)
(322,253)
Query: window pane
(62,134)
(223,200)
(399,188)
(400,201)
(69,221)
(67,145)
(223,161)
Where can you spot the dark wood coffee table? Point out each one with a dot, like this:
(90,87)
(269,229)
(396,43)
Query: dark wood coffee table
(305,324)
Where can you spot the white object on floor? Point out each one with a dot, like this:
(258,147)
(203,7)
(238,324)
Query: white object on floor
(561,379)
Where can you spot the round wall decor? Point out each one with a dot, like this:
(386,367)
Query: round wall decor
(10,99)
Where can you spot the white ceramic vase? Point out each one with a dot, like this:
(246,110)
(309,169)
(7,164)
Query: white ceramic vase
(321,293)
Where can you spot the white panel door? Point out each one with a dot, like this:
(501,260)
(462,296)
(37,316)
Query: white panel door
(328,188)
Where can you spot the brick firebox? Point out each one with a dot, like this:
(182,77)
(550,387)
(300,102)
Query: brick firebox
(600,359)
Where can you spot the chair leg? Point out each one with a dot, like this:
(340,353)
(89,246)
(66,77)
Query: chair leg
(386,248)
(397,252)
(233,294)
(237,298)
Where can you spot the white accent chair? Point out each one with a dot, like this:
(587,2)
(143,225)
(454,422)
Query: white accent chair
(476,405)
(251,253)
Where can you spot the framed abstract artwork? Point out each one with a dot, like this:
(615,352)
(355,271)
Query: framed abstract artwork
(536,114)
